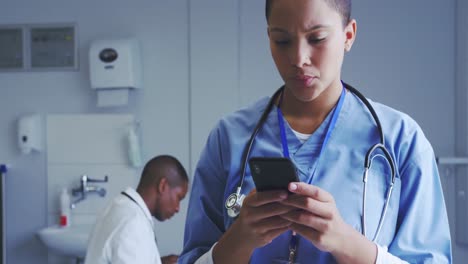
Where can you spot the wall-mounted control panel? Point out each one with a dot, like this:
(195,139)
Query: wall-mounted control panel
(49,47)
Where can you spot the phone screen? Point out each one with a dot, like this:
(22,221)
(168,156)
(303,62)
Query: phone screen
(272,173)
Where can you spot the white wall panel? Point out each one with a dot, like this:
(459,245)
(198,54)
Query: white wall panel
(404,57)
(95,139)
(214,62)
(258,74)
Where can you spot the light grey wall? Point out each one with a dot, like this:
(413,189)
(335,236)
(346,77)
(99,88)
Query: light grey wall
(161,107)
(459,178)
(205,58)
(214,67)
(404,57)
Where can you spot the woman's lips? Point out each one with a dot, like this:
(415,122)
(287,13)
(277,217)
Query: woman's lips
(304,80)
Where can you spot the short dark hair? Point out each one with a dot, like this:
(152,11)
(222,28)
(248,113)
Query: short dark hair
(343,7)
(163,166)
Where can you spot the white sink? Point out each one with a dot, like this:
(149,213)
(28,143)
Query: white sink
(68,241)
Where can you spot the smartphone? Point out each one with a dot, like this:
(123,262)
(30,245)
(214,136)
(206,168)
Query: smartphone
(272,173)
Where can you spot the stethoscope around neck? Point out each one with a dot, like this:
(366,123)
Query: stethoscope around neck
(234,201)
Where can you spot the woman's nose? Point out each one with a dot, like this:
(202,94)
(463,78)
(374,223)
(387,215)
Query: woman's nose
(300,54)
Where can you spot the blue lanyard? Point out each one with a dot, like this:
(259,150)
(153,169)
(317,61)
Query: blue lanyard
(284,143)
(331,126)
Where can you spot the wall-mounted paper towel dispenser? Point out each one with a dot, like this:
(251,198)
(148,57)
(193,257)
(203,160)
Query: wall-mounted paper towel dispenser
(115,67)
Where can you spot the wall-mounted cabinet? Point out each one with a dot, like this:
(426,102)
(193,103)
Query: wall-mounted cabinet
(11,48)
(43,47)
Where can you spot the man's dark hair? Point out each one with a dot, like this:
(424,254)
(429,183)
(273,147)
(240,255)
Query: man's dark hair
(343,7)
(163,166)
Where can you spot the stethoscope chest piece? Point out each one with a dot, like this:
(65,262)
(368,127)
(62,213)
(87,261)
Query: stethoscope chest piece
(234,203)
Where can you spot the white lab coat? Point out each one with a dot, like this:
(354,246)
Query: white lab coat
(123,233)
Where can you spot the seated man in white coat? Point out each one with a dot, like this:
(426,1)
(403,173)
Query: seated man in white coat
(123,232)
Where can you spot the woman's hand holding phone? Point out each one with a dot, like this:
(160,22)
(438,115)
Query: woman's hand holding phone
(258,223)
(261,216)
(317,219)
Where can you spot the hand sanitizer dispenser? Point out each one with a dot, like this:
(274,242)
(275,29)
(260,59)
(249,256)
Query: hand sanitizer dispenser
(115,68)
(30,133)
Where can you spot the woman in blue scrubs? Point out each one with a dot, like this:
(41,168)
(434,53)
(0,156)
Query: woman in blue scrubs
(326,131)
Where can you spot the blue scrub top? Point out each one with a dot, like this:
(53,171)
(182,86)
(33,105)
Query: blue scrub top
(415,228)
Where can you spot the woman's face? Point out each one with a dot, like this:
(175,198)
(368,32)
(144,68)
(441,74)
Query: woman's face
(307,42)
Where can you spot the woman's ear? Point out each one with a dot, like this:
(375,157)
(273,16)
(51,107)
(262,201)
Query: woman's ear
(350,34)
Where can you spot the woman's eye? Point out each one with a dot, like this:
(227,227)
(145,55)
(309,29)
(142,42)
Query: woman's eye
(316,40)
(281,42)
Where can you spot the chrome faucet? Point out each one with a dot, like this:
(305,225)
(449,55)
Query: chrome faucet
(82,191)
